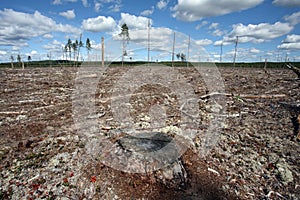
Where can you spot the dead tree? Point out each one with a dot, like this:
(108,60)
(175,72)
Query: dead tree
(294,69)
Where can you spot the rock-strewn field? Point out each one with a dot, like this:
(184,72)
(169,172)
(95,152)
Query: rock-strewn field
(42,156)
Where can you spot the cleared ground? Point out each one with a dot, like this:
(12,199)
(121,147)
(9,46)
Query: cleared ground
(43,156)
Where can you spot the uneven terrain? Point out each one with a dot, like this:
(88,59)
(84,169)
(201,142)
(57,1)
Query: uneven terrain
(43,155)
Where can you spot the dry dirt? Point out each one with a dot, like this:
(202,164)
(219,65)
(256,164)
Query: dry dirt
(43,157)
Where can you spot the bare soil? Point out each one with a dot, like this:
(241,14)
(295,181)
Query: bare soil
(42,156)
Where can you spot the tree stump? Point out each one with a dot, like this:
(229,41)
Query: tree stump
(296,70)
(294,110)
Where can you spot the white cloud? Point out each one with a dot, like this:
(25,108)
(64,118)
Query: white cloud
(218,32)
(3,52)
(293,19)
(85,3)
(292,38)
(115,7)
(193,10)
(28,26)
(16,48)
(243,54)
(218,43)
(203,42)
(287,3)
(48,36)
(213,26)
(148,12)
(33,52)
(161,38)
(203,23)
(224,42)
(254,50)
(289,46)
(57,2)
(162,4)
(69,14)
(134,22)
(99,24)
(260,32)
(292,42)
(97,6)
(54,46)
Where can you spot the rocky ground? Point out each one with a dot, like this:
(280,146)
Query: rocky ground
(44,155)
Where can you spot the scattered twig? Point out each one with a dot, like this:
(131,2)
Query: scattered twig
(272,192)
(29,101)
(215,94)
(263,96)
(12,112)
(247,96)
(213,171)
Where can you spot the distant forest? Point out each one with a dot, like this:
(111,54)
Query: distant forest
(67,63)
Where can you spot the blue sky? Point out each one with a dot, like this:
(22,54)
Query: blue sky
(266,29)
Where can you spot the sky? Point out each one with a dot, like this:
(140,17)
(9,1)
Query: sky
(204,30)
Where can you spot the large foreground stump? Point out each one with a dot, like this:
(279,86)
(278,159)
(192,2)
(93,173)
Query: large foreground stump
(294,109)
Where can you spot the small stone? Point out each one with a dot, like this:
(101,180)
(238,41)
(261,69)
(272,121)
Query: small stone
(284,173)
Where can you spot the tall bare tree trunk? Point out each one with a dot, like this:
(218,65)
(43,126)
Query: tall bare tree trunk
(123,47)
(102,46)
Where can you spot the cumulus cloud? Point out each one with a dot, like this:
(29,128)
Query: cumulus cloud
(293,19)
(260,32)
(254,50)
(203,42)
(134,22)
(69,14)
(54,46)
(99,24)
(26,26)
(161,38)
(292,38)
(162,4)
(193,10)
(148,12)
(255,33)
(289,46)
(286,3)
(292,42)
(33,52)
(3,52)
